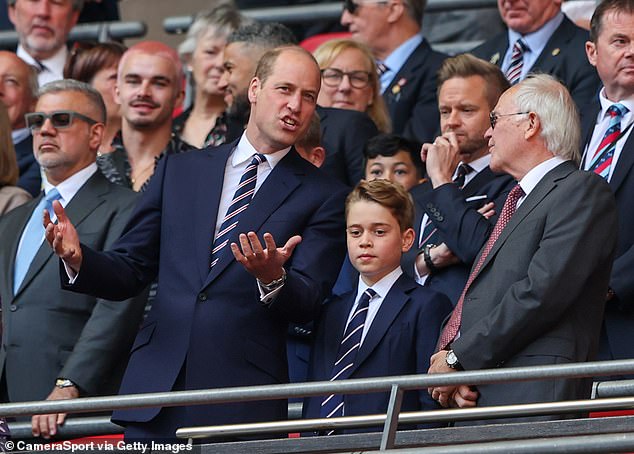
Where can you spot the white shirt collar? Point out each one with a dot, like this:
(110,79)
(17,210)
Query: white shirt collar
(71,185)
(53,65)
(18,135)
(535,175)
(606,103)
(383,286)
(245,150)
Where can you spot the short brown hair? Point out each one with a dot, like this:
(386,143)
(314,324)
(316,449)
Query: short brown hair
(604,7)
(387,194)
(466,65)
(312,136)
(8,162)
(268,60)
(87,59)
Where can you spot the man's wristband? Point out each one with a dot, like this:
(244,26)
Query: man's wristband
(427,257)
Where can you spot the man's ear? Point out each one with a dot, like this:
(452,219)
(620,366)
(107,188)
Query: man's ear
(534,126)
(254,89)
(591,52)
(396,9)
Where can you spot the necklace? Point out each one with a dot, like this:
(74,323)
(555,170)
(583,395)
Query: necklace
(134,176)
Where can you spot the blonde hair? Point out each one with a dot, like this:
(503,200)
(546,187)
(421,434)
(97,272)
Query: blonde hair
(8,162)
(328,51)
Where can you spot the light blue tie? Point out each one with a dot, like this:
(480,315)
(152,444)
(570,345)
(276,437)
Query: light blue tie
(32,238)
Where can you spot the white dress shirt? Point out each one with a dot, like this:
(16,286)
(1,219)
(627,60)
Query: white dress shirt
(53,66)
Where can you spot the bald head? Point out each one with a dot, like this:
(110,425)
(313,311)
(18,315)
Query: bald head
(18,86)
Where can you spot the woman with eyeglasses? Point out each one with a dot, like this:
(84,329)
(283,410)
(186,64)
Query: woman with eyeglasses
(349,80)
(11,196)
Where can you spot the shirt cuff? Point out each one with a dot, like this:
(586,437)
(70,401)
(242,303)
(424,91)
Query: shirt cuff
(72,275)
(267,297)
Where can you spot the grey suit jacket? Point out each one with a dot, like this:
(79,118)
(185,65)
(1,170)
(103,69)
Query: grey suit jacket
(539,296)
(49,332)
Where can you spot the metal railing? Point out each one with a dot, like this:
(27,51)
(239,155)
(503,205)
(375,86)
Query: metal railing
(99,31)
(320,11)
(397,385)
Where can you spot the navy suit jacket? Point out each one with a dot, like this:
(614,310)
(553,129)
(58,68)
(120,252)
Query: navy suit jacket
(400,341)
(564,57)
(459,225)
(619,312)
(30,179)
(411,96)
(212,322)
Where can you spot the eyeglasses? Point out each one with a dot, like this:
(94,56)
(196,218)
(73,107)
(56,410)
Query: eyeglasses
(351,6)
(333,77)
(494,117)
(60,119)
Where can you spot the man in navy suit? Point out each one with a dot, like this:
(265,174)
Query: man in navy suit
(392,30)
(224,324)
(450,230)
(553,44)
(610,51)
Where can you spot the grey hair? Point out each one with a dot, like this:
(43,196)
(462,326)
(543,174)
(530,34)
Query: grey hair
(267,35)
(221,20)
(87,90)
(77,4)
(550,100)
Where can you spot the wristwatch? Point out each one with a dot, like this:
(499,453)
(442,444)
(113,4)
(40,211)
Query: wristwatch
(274,284)
(427,257)
(64,383)
(452,360)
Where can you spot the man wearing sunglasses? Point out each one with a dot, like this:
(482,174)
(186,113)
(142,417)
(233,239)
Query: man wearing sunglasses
(536,292)
(407,64)
(59,345)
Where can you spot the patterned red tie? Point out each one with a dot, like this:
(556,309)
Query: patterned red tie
(453,325)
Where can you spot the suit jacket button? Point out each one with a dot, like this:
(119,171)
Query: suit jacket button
(13,308)
(202,297)
(440,218)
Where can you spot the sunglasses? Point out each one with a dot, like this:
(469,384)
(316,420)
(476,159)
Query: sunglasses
(351,6)
(60,119)
(333,77)
(494,117)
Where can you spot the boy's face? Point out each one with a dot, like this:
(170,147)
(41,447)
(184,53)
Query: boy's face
(375,241)
(398,169)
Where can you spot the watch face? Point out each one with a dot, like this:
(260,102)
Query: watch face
(452,360)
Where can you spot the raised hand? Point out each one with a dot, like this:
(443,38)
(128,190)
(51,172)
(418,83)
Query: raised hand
(63,237)
(265,264)
(441,158)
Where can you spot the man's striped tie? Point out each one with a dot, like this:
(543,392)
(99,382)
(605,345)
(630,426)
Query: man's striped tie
(332,405)
(602,158)
(239,203)
(514,71)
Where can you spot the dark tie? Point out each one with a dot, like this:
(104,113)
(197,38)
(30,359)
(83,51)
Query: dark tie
(332,406)
(32,238)
(514,71)
(239,203)
(463,171)
(602,158)
(39,66)
(453,325)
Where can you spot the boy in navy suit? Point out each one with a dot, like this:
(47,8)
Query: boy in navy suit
(387,325)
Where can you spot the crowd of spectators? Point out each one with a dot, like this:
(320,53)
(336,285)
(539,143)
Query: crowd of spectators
(373,208)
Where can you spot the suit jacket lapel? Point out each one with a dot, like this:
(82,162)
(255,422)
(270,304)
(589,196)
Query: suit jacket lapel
(549,59)
(210,179)
(409,69)
(624,164)
(85,201)
(547,184)
(392,305)
(280,183)
(496,56)
(481,178)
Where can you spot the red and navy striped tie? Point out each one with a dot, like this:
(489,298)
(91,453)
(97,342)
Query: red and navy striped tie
(514,72)
(602,158)
(239,203)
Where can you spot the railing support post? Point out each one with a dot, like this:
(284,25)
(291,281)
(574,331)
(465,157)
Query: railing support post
(391,419)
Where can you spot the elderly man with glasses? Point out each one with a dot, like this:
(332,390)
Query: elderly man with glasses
(536,292)
(59,345)
(406,63)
